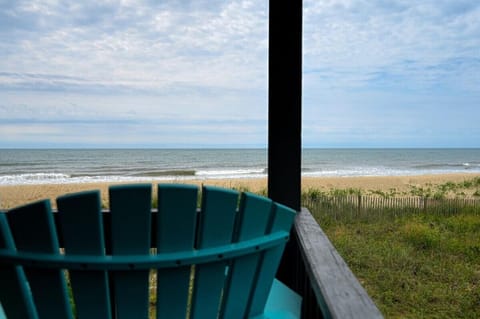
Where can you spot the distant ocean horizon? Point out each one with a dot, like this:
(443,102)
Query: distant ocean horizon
(63,166)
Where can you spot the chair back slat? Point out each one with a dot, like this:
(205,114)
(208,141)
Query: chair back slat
(176,221)
(48,286)
(253,220)
(130,208)
(15,294)
(282,220)
(216,225)
(181,261)
(82,231)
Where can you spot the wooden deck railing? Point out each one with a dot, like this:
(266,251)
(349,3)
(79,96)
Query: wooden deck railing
(313,267)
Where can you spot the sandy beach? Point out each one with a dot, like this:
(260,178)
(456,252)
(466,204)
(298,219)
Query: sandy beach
(12,196)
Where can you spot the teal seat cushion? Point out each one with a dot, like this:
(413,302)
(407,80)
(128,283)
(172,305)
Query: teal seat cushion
(282,303)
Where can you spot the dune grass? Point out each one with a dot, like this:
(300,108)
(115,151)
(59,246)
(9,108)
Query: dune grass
(413,263)
(421,265)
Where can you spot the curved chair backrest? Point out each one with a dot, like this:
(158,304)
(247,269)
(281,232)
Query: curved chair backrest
(179,261)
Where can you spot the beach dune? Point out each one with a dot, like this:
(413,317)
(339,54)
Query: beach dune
(16,195)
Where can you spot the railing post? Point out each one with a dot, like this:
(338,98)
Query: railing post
(284,116)
(285,102)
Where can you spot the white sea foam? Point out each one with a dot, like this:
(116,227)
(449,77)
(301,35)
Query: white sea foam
(231,173)
(57,178)
(53,178)
(33,178)
(86,166)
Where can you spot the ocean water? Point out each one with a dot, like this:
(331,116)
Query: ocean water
(59,166)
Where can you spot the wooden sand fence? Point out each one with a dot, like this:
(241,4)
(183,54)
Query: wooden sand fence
(367,207)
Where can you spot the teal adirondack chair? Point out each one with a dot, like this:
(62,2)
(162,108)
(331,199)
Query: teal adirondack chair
(218,261)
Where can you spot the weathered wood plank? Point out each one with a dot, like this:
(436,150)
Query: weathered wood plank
(338,291)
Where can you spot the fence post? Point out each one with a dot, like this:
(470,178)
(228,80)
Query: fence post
(359,204)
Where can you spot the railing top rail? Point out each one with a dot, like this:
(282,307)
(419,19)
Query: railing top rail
(338,292)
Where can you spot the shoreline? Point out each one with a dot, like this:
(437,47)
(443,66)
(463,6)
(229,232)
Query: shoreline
(16,195)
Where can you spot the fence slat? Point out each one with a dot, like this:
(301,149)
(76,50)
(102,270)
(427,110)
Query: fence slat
(361,206)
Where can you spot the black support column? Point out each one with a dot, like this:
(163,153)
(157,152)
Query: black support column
(285,101)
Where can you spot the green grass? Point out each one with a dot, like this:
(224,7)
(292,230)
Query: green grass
(414,265)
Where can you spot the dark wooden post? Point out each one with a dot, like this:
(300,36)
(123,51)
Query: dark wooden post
(285,102)
(285,119)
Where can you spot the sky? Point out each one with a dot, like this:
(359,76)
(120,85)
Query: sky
(179,73)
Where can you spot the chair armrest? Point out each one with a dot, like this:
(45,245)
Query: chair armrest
(130,262)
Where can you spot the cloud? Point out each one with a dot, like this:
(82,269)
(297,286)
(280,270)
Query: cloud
(354,38)
(382,74)
(142,47)
(195,72)
(171,132)
(125,63)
